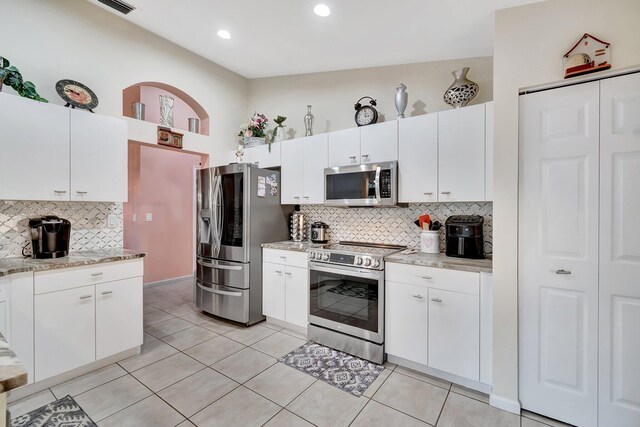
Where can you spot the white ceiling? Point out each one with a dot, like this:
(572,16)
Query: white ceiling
(283,37)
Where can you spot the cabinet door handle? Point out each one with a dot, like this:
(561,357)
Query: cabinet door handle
(283,257)
(428,194)
(436,300)
(279,271)
(365,156)
(417,296)
(86,296)
(563,271)
(60,191)
(352,157)
(288,273)
(97,274)
(445,192)
(296,197)
(427,277)
(81,192)
(305,197)
(107,292)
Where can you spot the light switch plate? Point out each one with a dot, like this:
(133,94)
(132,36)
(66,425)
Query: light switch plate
(113,221)
(149,217)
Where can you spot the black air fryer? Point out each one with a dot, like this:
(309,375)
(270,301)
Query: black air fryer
(464,236)
(49,236)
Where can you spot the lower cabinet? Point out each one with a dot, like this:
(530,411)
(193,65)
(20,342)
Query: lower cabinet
(285,287)
(406,321)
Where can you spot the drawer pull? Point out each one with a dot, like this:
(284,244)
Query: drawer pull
(107,292)
(427,277)
(563,271)
(86,296)
(60,191)
(305,197)
(279,271)
(445,192)
(352,157)
(288,273)
(436,300)
(97,274)
(418,296)
(82,192)
(283,257)
(428,193)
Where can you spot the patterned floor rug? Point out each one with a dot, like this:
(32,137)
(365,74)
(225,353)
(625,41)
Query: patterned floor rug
(334,367)
(61,413)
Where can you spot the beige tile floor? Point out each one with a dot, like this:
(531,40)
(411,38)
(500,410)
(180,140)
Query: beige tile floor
(198,370)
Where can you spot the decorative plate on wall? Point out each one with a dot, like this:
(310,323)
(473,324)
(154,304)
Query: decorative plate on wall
(76,95)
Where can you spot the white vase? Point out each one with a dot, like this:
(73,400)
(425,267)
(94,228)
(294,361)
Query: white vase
(280,135)
(166,111)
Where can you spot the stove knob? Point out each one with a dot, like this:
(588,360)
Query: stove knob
(312,255)
(325,257)
(376,263)
(367,262)
(358,261)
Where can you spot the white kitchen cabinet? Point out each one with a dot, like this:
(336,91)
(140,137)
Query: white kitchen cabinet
(488,163)
(302,171)
(261,156)
(65,333)
(461,154)
(379,142)
(118,316)
(98,158)
(454,333)
(34,164)
(418,159)
(344,147)
(20,319)
(406,321)
(285,288)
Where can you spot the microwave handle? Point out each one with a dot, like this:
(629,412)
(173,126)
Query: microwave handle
(377,183)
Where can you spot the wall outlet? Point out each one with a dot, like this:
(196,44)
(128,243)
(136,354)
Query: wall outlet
(149,217)
(113,221)
(135,217)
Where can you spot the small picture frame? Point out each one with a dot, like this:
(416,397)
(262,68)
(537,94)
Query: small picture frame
(169,138)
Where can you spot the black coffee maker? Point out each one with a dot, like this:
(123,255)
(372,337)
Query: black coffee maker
(49,236)
(464,236)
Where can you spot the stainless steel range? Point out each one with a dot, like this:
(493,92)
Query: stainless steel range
(346,298)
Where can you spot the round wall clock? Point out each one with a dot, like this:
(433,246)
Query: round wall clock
(76,95)
(366,114)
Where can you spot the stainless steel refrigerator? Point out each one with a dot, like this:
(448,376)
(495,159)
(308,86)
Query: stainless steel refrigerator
(238,209)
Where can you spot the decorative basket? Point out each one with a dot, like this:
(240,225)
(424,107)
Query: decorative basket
(253,141)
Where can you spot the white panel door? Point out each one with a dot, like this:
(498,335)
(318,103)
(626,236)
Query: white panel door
(379,142)
(297,296)
(620,251)
(406,321)
(488,161)
(461,154)
(65,331)
(98,158)
(315,160)
(34,164)
(454,333)
(558,253)
(273,290)
(418,159)
(118,316)
(292,172)
(344,147)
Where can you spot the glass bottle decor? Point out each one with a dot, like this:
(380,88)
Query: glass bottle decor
(308,122)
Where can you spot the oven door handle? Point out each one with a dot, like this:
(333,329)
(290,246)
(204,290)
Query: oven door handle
(375,274)
(215,291)
(219,266)
(377,183)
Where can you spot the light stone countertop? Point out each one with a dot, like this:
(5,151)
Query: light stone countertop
(12,372)
(75,259)
(441,261)
(290,245)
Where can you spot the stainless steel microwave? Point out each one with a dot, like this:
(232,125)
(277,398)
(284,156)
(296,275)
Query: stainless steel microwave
(370,184)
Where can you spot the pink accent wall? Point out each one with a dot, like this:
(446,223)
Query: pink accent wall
(150,97)
(161,182)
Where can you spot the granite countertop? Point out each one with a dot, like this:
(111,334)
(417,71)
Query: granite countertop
(12,372)
(290,245)
(75,259)
(441,261)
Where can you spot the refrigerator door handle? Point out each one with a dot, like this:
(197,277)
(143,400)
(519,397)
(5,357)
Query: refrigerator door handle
(215,291)
(220,266)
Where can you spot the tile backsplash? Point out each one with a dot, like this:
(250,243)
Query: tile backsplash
(89,229)
(395,225)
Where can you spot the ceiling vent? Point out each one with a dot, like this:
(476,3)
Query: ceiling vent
(118,5)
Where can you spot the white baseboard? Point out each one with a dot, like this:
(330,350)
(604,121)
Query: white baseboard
(505,404)
(168,281)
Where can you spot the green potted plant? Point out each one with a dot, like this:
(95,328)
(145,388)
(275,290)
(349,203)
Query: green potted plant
(278,131)
(11,76)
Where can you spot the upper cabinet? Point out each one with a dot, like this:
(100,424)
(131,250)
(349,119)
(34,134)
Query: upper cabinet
(418,159)
(263,155)
(54,153)
(461,159)
(34,164)
(98,158)
(302,171)
(488,162)
(367,144)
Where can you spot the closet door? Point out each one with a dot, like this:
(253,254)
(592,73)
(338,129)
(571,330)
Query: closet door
(620,251)
(558,253)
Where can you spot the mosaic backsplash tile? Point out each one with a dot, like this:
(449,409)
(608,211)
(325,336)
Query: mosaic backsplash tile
(395,225)
(89,229)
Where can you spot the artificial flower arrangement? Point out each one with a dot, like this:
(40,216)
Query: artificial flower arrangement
(255,127)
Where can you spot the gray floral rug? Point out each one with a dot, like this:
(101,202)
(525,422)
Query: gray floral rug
(334,367)
(64,412)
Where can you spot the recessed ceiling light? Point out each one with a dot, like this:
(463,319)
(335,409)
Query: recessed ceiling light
(224,34)
(322,10)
